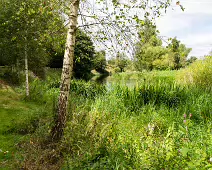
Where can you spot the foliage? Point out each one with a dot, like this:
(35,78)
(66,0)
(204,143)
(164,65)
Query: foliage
(149,57)
(179,53)
(11,75)
(48,91)
(150,54)
(100,61)
(191,60)
(165,62)
(198,73)
(121,61)
(143,130)
(148,48)
(25,29)
(87,89)
(84,55)
(111,61)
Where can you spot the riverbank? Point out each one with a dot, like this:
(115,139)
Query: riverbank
(18,123)
(157,124)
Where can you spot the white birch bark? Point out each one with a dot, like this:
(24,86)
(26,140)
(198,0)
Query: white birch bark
(57,131)
(26,70)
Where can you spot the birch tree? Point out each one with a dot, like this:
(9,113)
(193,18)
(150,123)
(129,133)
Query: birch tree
(57,131)
(110,14)
(24,29)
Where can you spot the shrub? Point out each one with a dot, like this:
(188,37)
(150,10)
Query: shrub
(198,73)
(44,91)
(86,89)
(141,128)
(12,75)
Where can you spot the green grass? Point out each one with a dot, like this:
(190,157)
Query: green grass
(17,122)
(141,127)
(140,77)
(198,73)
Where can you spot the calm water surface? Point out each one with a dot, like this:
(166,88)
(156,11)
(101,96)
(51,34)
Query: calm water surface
(109,80)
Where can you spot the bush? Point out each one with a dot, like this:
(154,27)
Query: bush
(87,89)
(198,73)
(142,128)
(47,91)
(12,75)
(43,92)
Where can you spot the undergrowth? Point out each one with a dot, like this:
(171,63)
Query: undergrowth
(153,126)
(157,124)
(197,74)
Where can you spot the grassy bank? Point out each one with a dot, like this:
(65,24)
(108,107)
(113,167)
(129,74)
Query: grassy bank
(158,124)
(19,119)
(153,126)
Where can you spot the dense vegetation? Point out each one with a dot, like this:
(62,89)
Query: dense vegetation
(150,54)
(153,112)
(155,125)
(26,32)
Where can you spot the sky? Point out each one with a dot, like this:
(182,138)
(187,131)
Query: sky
(193,27)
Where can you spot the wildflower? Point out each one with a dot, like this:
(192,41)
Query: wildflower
(210,160)
(184,115)
(6,152)
(151,127)
(184,121)
(190,115)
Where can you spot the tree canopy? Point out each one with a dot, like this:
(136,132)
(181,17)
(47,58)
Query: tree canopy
(151,54)
(84,55)
(25,27)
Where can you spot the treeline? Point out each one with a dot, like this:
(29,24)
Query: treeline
(150,53)
(33,35)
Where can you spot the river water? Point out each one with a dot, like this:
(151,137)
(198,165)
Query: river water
(109,80)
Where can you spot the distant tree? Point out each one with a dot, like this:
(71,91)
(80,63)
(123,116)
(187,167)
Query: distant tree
(121,61)
(84,55)
(100,61)
(174,47)
(112,61)
(179,52)
(149,47)
(150,54)
(191,60)
(165,62)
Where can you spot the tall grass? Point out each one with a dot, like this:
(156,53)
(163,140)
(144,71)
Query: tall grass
(198,73)
(153,126)
(158,124)
(145,75)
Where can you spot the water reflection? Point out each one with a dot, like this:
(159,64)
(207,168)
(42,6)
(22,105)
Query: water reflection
(110,80)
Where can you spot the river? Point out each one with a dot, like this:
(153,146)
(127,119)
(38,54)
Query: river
(110,80)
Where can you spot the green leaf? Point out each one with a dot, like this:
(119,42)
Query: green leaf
(184,151)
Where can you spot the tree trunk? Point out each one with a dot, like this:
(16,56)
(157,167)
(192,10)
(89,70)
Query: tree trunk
(26,70)
(18,69)
(57,131)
